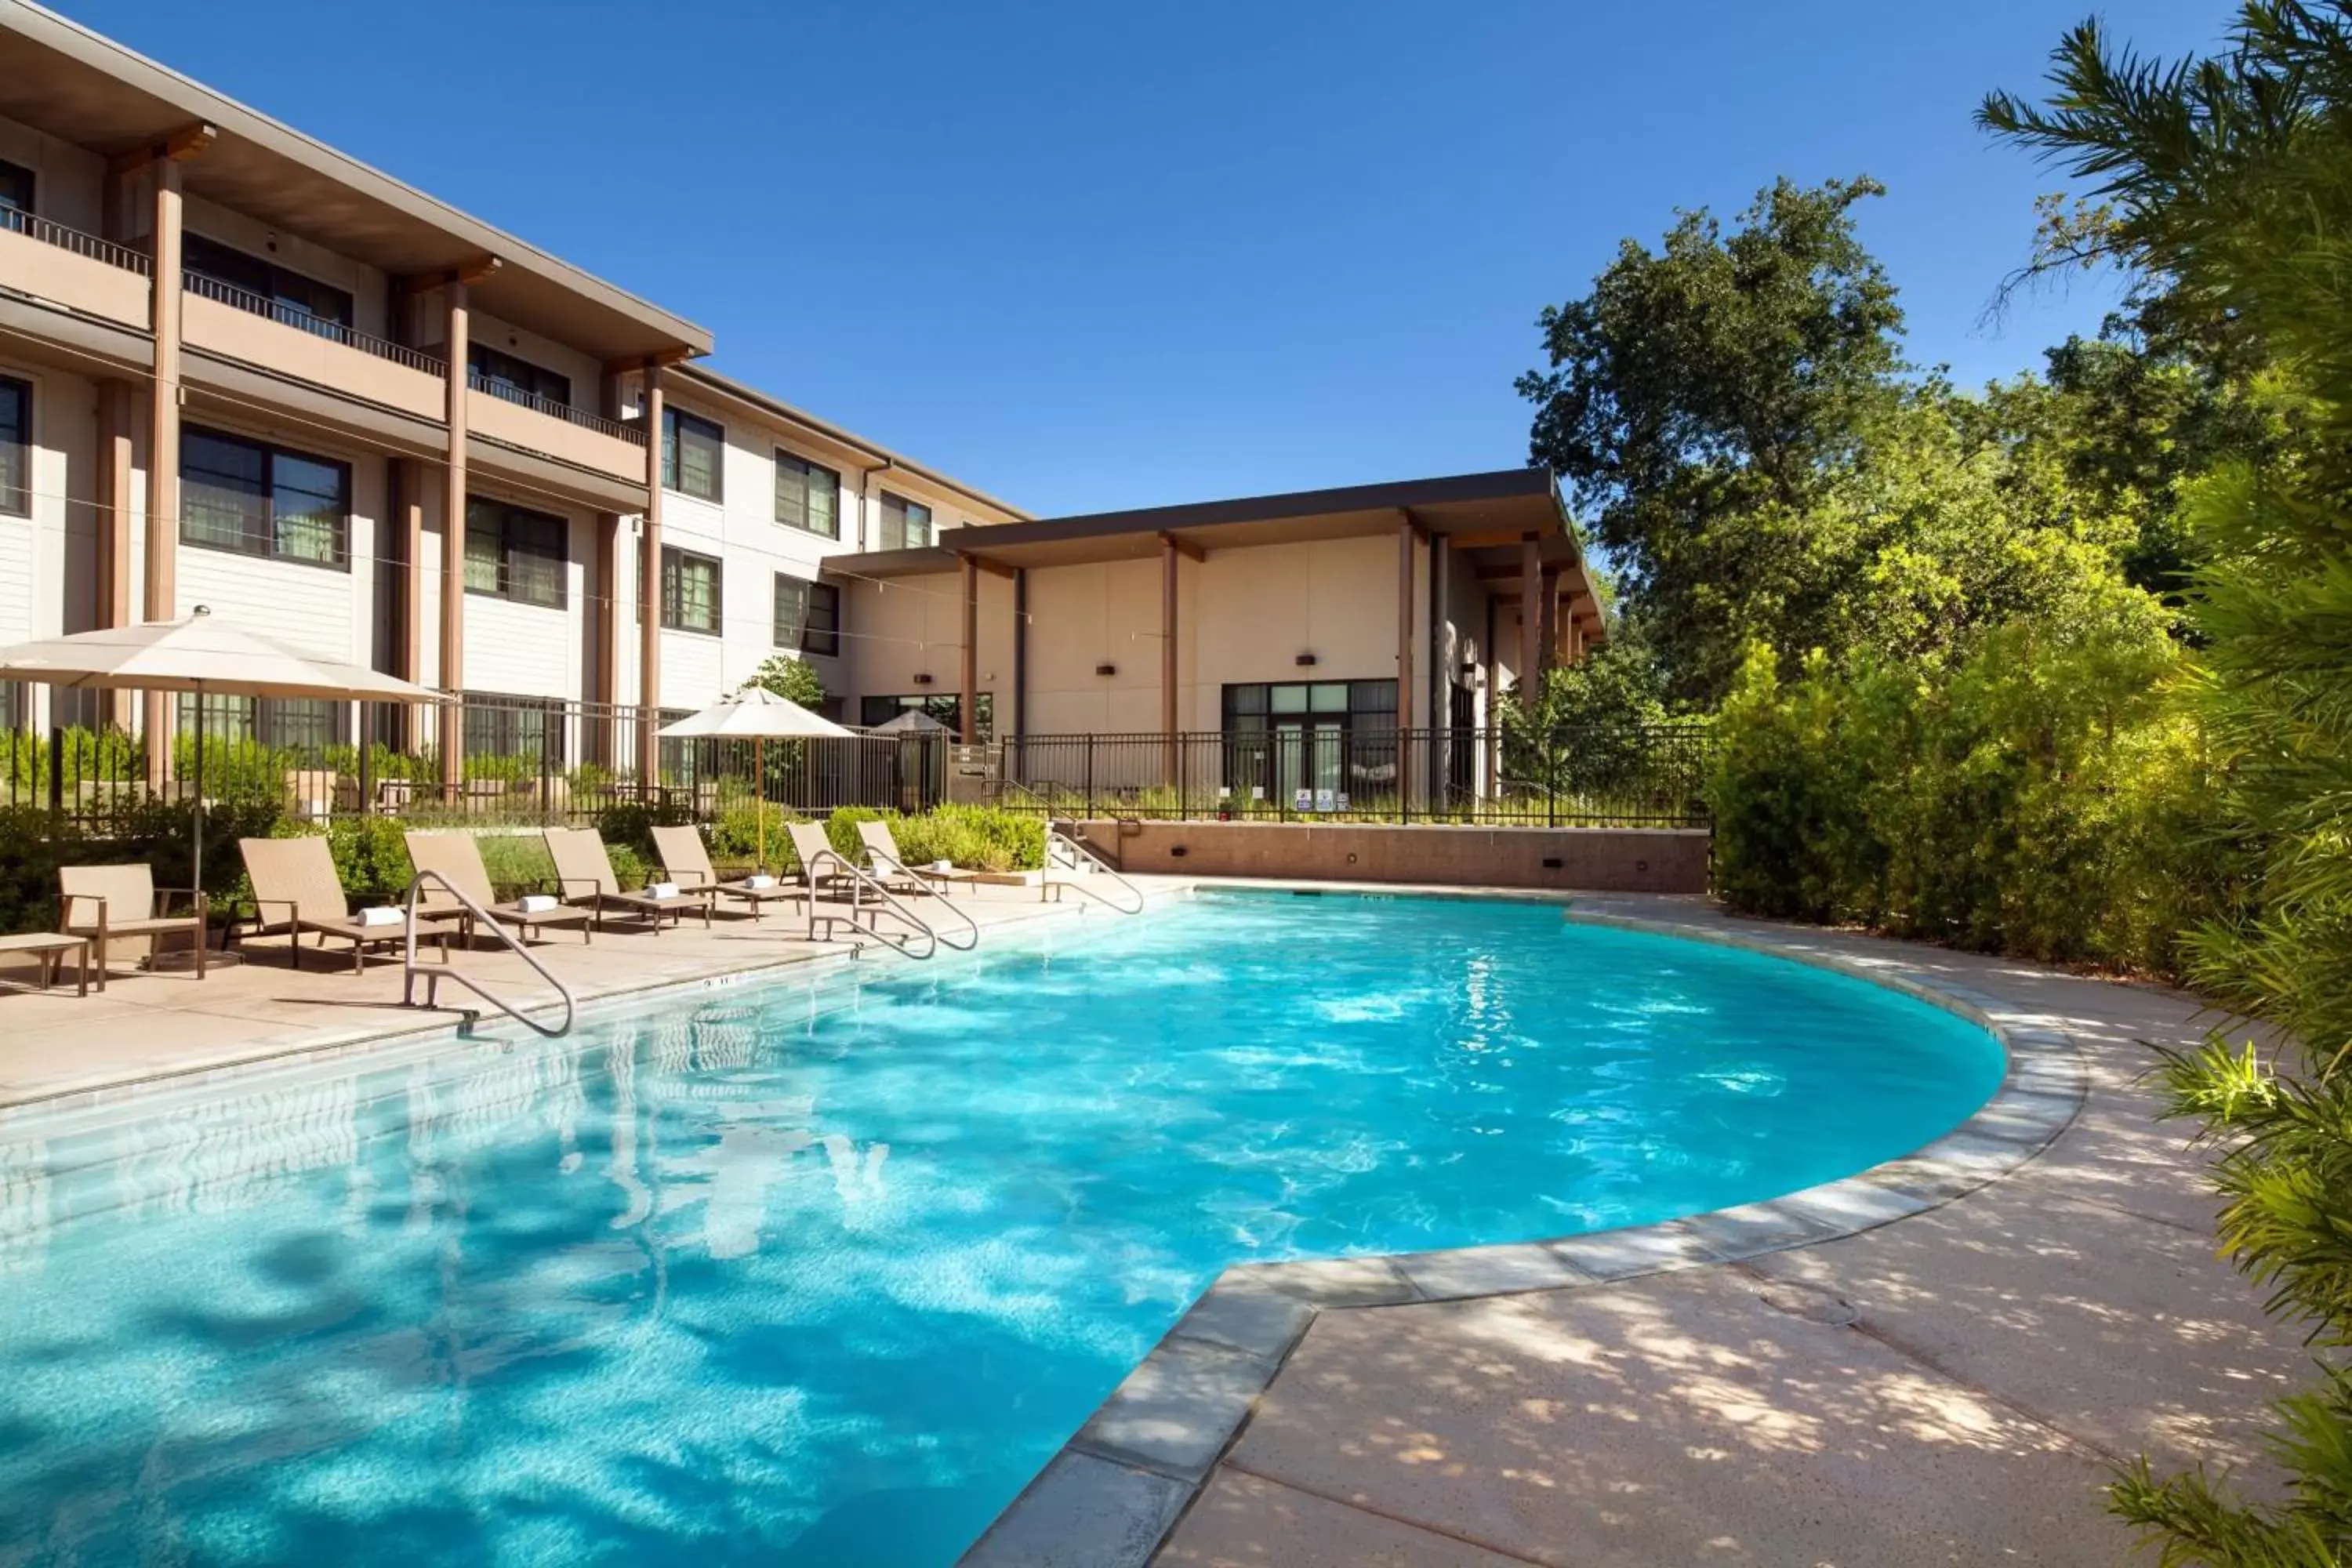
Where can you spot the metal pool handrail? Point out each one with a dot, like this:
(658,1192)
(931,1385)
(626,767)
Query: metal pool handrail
(1059,835)
(433,977)
(890,862)
(858,879)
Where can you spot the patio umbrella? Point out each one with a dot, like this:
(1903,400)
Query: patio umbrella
(204,653)
(913,721)
(757,715)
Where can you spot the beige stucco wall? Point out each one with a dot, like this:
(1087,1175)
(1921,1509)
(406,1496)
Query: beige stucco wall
(1593,859)
(907,626)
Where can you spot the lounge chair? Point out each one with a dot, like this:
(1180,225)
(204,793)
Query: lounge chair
(119,902)
(459,857)
(583,876)
(889,868)
(295,889)
(686,861)
(820,862)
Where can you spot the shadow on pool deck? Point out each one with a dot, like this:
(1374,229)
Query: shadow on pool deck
(1950,1388)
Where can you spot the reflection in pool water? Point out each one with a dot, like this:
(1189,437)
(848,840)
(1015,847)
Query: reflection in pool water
(820,1272)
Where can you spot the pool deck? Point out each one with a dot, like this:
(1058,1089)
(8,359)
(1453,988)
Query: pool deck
(1940,1362)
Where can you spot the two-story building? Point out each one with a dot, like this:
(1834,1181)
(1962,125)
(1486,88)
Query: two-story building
(242,369)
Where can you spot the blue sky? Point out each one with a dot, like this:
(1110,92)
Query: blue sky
(1097,256)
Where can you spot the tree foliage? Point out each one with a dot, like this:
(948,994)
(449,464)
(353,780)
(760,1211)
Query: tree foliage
(795,680)
(2229,179)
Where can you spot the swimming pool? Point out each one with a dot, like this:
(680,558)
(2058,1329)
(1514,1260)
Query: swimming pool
(820,1271)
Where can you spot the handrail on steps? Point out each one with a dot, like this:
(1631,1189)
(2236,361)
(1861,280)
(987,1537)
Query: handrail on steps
(859,880)
(1060,834)
(891,863)
(433,976)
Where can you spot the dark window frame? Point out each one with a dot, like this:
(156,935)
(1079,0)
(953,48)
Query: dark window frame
(673,598)
(20,210)
(819,632)
(676,423)
(806,471)
(507,516)
(271,454)
(907,506)
(16,495)
(515,378)
(292,296)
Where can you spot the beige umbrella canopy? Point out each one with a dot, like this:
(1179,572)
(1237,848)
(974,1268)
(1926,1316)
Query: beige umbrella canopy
(203,653)
(757,715)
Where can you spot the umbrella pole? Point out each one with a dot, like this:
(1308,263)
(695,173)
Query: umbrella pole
(196,852)
(759,801)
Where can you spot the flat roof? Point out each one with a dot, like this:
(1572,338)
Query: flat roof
(1487,518)
(62,78)
(784,413)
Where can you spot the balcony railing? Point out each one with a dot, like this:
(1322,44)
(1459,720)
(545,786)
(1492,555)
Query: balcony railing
(506,392)
(302,320)
(18,221)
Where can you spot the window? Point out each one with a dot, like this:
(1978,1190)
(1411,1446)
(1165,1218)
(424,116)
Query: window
(906,524)
(808,615)
(690,591)
(693,452)
(16,195)
(501,374)
(947,708)
(15,447)
(220,272)
(499,725)
(515,555)
(294,723)
(807,496)
(258,500)
(1362,705)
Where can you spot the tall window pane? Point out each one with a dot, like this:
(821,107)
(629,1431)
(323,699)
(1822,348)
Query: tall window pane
(15,447)
(690,591)
(693,454)
(906,524)
(258,500)
(808,495)
(515,553)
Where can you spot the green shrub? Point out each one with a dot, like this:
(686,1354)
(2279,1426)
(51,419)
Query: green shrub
(628,825)
(982,837)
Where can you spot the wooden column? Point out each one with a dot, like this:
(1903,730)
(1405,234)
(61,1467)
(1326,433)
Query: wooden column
(649,558)
(1169,556)
(456,332)
(1530,622)
(1404,704)
(968,682)
(161,599)
(605,611)
(1548,646)
(408,487)
(1491,716)
(118,423)
(1441,667)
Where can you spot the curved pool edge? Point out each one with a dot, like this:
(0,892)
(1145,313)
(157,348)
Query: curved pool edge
(1115,1492)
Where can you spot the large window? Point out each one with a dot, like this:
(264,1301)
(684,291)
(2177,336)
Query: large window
(16,195)
(945,708)
(511,553)
(906,524)
(15,447)
(807,496)
(1315,745)
(690,591)
(527,728)
(694,451)
(251,283)
(258,500)
(808,615)
(501,374)
(304,724)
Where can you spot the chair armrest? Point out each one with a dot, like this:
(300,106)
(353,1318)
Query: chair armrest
(563,885)
(261,910)
(68,901)
(162,894)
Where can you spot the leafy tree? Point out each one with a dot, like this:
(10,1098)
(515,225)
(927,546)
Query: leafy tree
(795,680)
(2230,182)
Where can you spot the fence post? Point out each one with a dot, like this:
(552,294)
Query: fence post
(1182,816)
(367,765)
(57,771)
(1090,775)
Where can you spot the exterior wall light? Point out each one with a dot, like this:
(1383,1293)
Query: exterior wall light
(922,681)
(1105,670)
(1305,662)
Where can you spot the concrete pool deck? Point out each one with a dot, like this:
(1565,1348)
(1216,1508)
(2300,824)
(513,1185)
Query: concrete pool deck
(1947,1376)
(1938,1364)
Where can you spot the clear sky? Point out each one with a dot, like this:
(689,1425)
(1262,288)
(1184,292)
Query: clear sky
(1091,255)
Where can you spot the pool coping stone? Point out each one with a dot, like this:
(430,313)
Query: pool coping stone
(1116,1489)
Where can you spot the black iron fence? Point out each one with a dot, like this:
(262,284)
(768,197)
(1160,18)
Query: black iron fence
(1642,775)
(519,760)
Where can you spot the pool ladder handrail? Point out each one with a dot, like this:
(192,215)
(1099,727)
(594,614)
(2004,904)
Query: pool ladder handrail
(409,968)
(1062,834)
(858,881)
(890,864)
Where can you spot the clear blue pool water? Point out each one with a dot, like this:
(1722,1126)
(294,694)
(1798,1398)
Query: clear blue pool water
(821,1272)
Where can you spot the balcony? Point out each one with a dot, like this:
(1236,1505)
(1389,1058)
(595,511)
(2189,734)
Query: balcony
(76,271)
(497,412)
(264,334)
